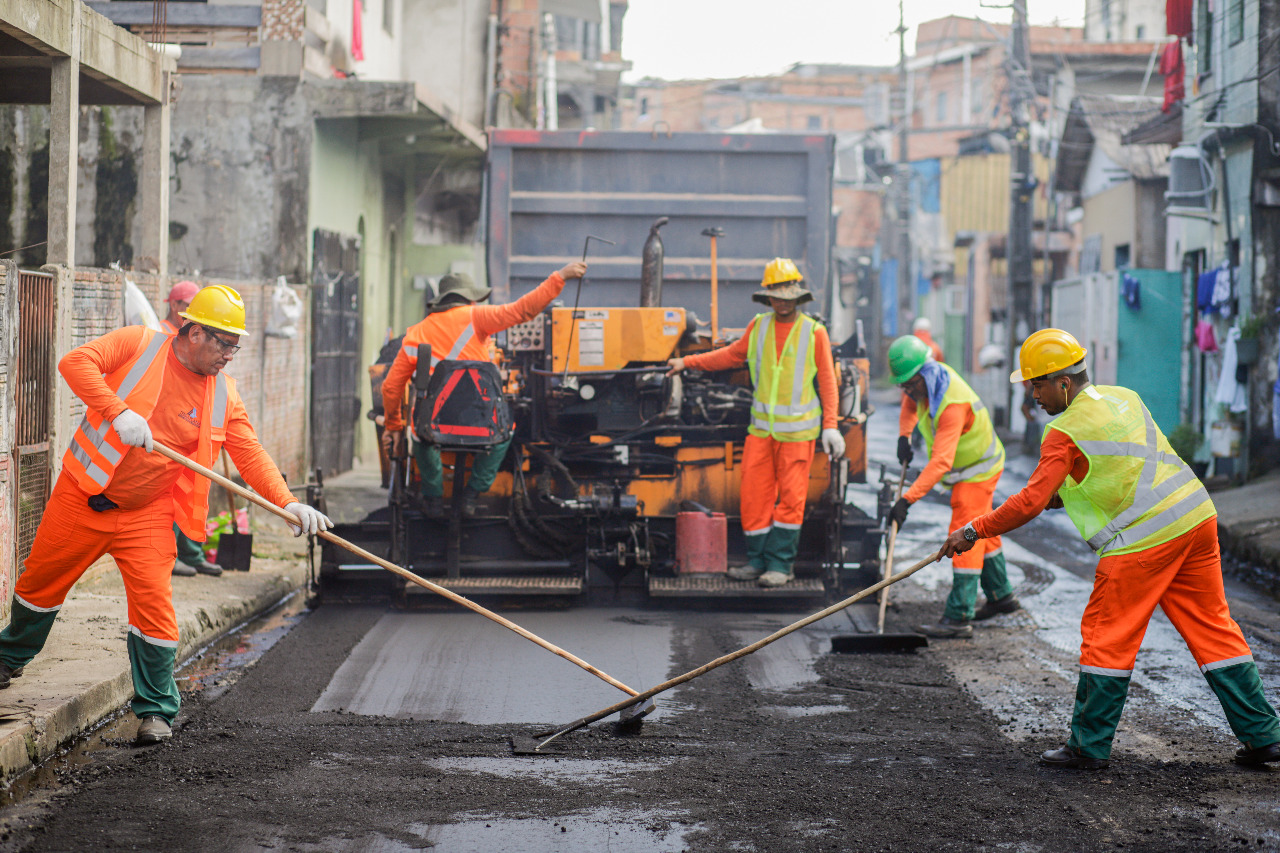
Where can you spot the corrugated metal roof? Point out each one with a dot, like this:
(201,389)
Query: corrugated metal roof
(1103,121)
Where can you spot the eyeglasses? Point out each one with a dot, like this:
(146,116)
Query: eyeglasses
(226,347)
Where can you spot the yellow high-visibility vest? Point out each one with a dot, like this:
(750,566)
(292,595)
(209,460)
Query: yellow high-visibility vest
(786,405)
(1138,492)
(979,454)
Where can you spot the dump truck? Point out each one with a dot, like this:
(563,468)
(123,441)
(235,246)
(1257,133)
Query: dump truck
(621,480)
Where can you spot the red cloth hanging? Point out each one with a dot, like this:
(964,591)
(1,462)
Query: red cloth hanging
(357,31)
(1177,17)
(1174,74)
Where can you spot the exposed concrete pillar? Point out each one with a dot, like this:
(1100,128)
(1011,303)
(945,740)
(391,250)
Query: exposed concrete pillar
(153,184)
(64,136)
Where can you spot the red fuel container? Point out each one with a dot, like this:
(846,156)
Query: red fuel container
(701,542)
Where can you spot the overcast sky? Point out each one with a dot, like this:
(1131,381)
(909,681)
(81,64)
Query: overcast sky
(681,39)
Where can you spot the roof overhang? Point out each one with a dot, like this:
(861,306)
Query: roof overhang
(407,116)
(116,67)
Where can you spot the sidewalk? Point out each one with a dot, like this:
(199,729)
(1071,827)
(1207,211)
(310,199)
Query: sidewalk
(83,673)
(1249,521)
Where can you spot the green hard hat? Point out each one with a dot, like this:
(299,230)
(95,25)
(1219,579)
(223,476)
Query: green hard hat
(906,356)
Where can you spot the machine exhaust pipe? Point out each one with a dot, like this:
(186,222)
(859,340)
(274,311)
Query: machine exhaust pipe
(651,267)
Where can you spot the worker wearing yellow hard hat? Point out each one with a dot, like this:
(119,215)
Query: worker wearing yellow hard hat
(1153,526)
(788,354)
(114,496)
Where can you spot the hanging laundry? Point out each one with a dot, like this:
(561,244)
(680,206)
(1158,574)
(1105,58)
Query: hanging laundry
(1224,289)
(1204,291)
(1231,392)
(357,31)
(1177,17)
(1131,290)
(1175,88)
(1205,339)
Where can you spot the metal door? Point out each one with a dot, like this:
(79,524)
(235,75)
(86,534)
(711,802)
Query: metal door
(34,390)
(335,350)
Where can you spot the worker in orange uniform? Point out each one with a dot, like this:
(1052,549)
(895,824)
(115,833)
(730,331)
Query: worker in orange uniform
(792,370)
(138,386)
(1153,526)
(923,330)
(458,328)
(191,560)
(966,456)
(179,298)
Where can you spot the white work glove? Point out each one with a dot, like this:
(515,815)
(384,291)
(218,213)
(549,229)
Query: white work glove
(832,443)
(313,520)
(132,429)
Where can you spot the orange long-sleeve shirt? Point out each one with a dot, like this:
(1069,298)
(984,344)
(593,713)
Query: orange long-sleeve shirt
(486,320)
(1059,457)
(955,420)
(735,355)
(143,477)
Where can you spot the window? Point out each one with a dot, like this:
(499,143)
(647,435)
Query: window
(1235,21)
(815,122)
(940,108)
(1140,32)
(1122,256)
(644,106)
(1204,39)
(389,16)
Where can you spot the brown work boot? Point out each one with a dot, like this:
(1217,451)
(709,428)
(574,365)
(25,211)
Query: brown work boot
(182,570)
(1068,758)
(948,629)
(1257,757)
(8,672)
(152,729)
(1008,604)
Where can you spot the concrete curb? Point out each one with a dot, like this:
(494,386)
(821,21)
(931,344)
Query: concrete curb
(82,689)
(1249,521)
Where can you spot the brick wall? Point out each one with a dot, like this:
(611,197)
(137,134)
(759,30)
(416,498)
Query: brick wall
(270,372)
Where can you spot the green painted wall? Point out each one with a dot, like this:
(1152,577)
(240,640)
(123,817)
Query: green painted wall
(1149,344)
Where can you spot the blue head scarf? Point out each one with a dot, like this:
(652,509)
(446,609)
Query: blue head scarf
(936,380)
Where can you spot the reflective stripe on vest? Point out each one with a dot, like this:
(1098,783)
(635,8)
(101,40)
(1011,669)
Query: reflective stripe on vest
(96,450)
(450,332)
(1168,505)
(799,417)
(977,456)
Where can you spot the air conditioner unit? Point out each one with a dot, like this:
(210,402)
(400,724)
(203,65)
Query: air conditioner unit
(1190,182)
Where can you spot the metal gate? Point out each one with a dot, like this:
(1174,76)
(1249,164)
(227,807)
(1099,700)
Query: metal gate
(36,381)
(335,350)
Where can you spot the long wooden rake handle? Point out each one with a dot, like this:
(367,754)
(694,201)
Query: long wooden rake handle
(745,650)
(394,569)
(888,557)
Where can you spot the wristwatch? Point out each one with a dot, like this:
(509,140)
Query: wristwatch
(970,535)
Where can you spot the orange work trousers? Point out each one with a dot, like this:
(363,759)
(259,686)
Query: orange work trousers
(1184,577)
(72,536)
(775,482)
(968,501)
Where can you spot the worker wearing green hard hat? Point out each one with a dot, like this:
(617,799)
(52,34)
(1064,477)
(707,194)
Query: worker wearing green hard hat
(965,456)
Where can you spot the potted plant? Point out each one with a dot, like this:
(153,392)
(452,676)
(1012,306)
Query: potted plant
(1247,345)
(1185,441)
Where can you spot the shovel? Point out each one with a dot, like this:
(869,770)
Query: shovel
(880,641)
(540,747)
(631,713)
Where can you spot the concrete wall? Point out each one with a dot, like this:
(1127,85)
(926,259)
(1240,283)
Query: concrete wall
(449,52)
(8,411)
(1110,215)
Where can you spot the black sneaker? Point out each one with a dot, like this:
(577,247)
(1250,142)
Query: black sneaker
(1068,758)
(1008,604)
(1258,757)
(948,629)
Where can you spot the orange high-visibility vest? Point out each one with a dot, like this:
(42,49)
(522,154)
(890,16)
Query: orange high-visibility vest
(450,334)
(96,450)
(168,328)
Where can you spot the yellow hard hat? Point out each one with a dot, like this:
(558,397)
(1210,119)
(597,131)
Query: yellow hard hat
(778,271)
(1046,351)
(218,307)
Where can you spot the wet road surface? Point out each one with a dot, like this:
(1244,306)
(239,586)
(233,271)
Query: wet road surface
(363,729)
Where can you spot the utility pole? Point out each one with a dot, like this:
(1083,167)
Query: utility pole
(902,186)
(1018,253)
